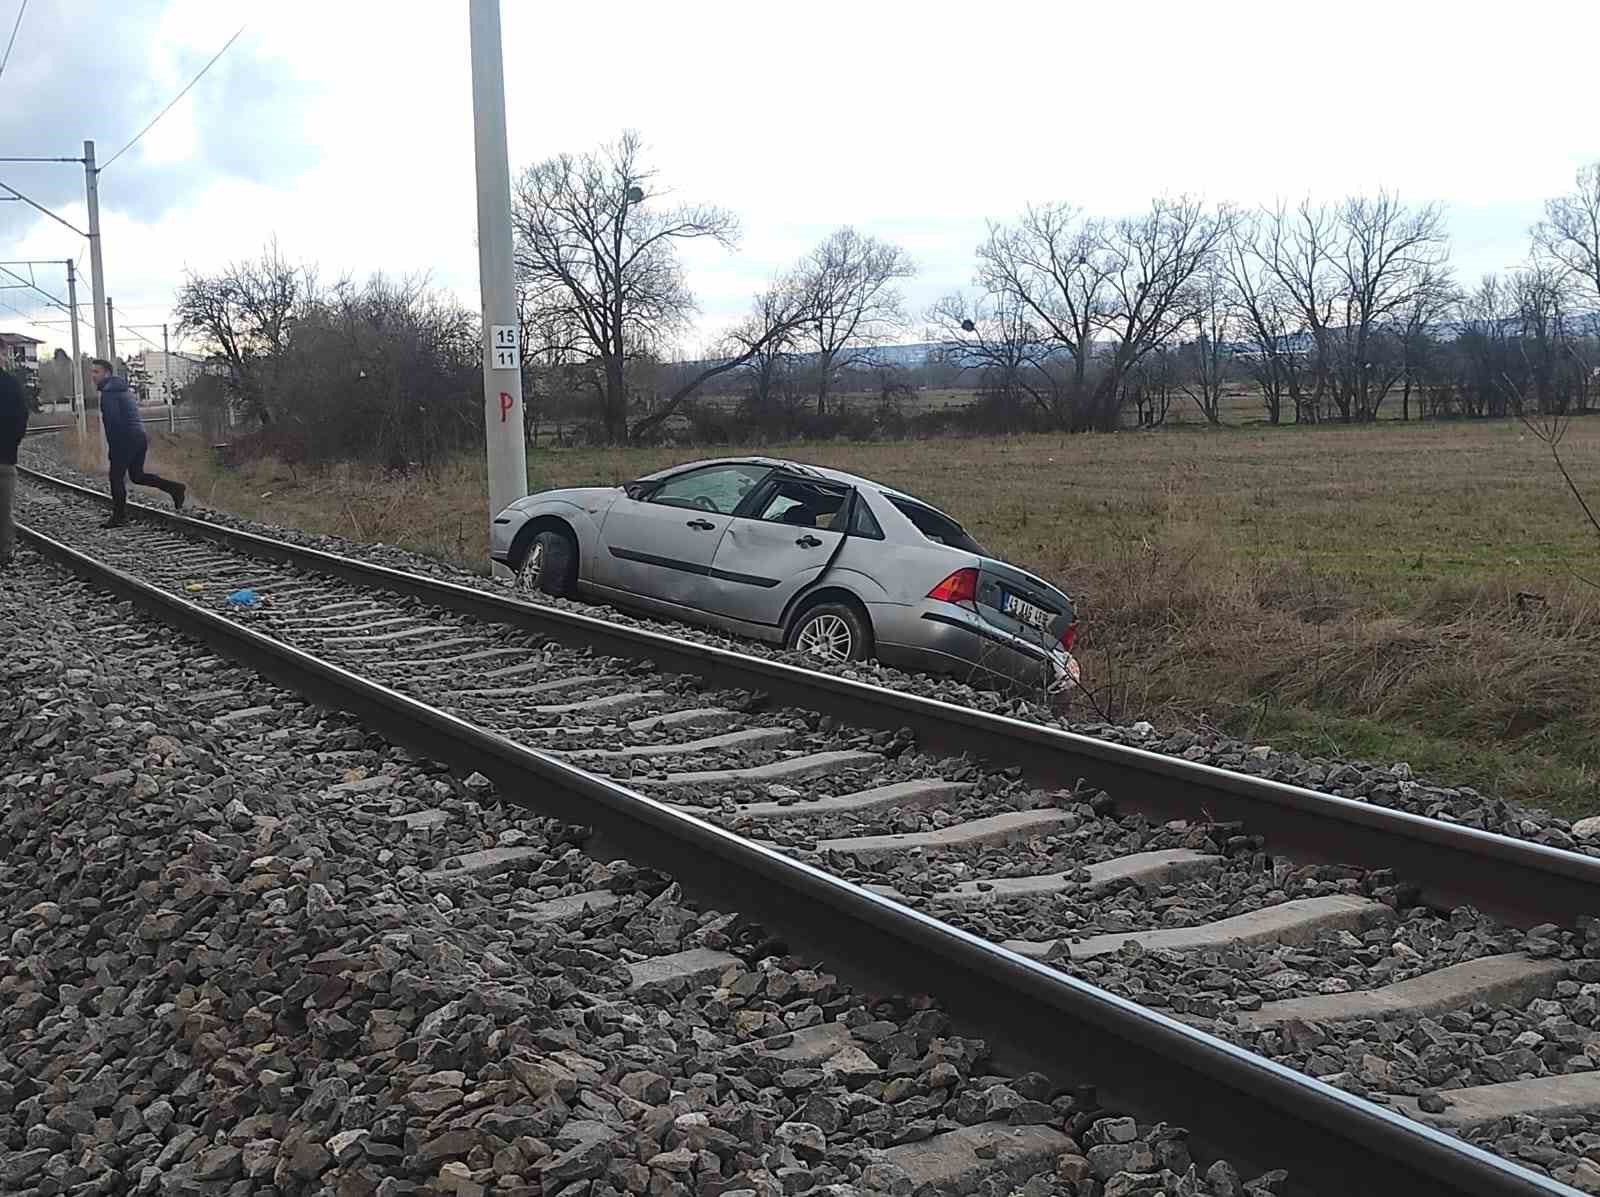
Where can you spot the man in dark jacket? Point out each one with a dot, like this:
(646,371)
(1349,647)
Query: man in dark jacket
(119,415)
(13,423)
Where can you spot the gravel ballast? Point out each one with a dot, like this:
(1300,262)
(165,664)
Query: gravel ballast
(228,968)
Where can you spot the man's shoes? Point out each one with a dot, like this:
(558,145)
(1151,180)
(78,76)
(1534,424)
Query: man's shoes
(116,521)
(180,492)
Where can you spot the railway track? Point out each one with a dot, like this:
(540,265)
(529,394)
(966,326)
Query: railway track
(42,429)
(898,838)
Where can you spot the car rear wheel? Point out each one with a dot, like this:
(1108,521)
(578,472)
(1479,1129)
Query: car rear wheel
(549,566)
(832,632)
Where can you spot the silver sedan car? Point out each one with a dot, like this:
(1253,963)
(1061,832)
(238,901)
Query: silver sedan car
(829,564)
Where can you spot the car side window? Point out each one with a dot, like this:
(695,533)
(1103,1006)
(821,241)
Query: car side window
(717,489)
(936,526)
(863,522)
(802,504)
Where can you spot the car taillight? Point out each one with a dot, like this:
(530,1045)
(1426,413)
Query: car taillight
(959,587)
(1069,635)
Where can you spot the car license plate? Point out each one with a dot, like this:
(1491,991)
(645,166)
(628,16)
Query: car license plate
(1021,609)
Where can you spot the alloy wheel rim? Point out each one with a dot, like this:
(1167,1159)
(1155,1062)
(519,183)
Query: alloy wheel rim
(828,637)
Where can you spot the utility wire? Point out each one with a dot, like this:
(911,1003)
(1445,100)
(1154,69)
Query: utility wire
(41,208)
(29,318)
(175,99)
(56,300)
(121,328)
(13,41)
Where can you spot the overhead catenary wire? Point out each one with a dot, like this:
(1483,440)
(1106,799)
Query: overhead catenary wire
(175,99)
(130,329)
(6,58)
(37,206)
(54,299)
(31,318)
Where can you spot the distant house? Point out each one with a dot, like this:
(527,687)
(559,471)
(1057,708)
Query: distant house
(21,352)
(161,372)
(20,355)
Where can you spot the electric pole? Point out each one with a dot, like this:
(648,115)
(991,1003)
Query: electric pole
(166,382)
(97,273)
(502,354)
(77,363)
(111,337)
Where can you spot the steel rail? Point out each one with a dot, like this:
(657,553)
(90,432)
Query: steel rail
(1236,1103)
(1518,881)
(42,429)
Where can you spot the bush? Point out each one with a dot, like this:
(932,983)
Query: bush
(386,373)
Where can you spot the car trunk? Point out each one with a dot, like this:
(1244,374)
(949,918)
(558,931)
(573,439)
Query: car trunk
(1020,604)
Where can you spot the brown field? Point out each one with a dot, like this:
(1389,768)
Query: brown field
(1406,592)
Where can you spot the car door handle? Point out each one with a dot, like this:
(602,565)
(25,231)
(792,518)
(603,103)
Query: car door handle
(703,525)
(808,542)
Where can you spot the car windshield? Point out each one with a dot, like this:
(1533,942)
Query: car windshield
(936,526)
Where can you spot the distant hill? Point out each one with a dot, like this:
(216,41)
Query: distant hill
(924,353)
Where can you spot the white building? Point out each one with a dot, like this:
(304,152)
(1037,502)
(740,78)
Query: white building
(166,370)
(21,353)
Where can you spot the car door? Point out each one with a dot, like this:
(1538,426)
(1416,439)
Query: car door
(660,545)
(778,543)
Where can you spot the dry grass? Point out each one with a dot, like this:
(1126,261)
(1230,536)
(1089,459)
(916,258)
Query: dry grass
(1342,591)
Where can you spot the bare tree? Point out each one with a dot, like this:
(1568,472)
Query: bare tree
(1417,340)
(1123,288)
(1153,264)
(1046,271)
(386,371)
(1353,272)
(1298,248)
(1203,362)
(995,338)
(597,253)
(244,315)
(1265,319)
(1543,295)
(850,283)
(1483,349)
(769,336)
(1570,231)
(1150,386)
(777,315)
(1393,265)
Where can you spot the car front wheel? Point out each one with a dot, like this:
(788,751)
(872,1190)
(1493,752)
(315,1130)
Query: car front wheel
(549,566)
(832,632)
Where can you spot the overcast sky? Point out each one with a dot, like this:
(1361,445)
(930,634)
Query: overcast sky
(344,128)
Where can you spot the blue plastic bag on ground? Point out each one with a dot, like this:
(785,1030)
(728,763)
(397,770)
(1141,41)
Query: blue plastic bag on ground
(242,598)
